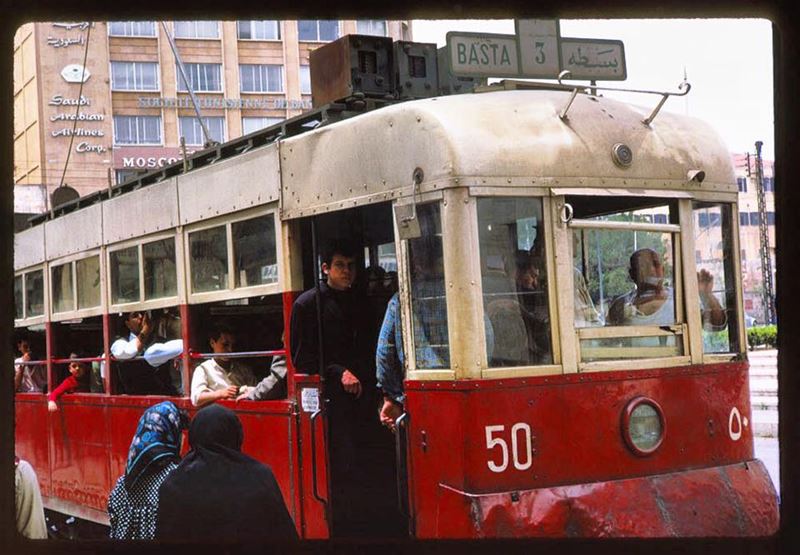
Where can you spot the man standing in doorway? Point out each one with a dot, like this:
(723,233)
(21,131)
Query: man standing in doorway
(346,366)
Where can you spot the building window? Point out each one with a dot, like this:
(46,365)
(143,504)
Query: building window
(660,219)
(137,130)
(202,77)
(376,27)
(259,30)
(196,29)
(124,175)
(769,184)
(134,76)
(744,255)
(193,131)
(742,183)
(250,124)
(702,219)
(317,30)
(744,219)
(770,218)
(754,220)
(132,28)
(256,78)
(305,79)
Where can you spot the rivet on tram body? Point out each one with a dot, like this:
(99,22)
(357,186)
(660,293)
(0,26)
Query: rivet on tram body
(508,180)
(419,119)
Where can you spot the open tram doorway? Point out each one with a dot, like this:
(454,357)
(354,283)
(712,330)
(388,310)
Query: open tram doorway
(363,491)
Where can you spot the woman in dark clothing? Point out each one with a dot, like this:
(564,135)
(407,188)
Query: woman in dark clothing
(154,453)
(219,494)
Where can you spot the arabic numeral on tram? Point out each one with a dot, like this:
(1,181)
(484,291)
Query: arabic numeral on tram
(520,450)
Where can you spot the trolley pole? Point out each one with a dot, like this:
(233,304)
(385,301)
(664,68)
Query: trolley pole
(763,234)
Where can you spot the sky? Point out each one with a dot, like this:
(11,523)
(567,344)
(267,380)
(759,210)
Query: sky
(727,61)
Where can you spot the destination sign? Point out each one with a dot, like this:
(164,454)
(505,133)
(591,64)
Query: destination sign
(480,54)
(593,59)
(538,47)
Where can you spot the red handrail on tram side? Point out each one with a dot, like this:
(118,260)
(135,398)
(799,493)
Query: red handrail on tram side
(77,359)
(240,354)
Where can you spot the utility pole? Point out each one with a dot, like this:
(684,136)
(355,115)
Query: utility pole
(763,234)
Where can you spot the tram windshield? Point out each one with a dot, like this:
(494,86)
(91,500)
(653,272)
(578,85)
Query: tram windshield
(514,279)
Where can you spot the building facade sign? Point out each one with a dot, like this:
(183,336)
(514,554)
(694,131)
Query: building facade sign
(225,103)
(146,158)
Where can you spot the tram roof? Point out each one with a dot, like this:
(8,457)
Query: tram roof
(503,139)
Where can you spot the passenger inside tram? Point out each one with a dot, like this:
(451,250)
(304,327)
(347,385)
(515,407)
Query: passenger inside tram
(221,377)
(144,360)
(28,378)
(78,380)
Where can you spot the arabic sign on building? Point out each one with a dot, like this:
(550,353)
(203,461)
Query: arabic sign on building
(537,50)
(480,54)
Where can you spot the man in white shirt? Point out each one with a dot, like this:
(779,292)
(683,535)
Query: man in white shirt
(28,378)
(28,500)
(154,377)
(221,377)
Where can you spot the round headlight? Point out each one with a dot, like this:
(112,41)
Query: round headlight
(643,425)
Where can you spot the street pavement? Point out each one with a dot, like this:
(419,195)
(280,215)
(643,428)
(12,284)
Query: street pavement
(764,404)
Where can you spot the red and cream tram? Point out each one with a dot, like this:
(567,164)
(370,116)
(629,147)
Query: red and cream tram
(510,217)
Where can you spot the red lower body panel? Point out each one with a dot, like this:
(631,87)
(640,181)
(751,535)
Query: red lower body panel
(732,500)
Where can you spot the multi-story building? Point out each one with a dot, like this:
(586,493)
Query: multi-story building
(106,99)
(749,240)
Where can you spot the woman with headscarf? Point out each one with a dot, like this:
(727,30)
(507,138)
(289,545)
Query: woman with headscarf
(219,494)
(154,453)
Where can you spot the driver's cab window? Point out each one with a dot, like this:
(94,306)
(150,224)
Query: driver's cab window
(627,300)
(514,281)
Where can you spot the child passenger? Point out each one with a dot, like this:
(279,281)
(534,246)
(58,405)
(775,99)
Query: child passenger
(78,380)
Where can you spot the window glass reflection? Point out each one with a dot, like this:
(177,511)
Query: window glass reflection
(88,278)
(160,273)
(124,265)
(255,258)
(209,260)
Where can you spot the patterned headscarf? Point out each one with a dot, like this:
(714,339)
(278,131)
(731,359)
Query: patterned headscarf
(157,440)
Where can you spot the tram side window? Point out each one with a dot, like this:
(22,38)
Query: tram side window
(255,256)
(18,306)
(428,304)
(34,293)
(209,265)
(61,277)
(124,275)
(87,273)
(160,276)
(715,279)
(625,279)
(514,281)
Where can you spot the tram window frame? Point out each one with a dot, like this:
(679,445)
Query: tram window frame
(231,291)
(403,249)
(678,330)
(75,310)
(143,303)
(727,233)
(487,207)
(28,319)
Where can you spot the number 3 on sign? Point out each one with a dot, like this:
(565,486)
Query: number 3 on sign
(521,453)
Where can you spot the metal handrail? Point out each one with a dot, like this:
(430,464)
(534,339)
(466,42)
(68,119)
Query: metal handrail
(314,483)
(239,354)
(401,441)
(684,87)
